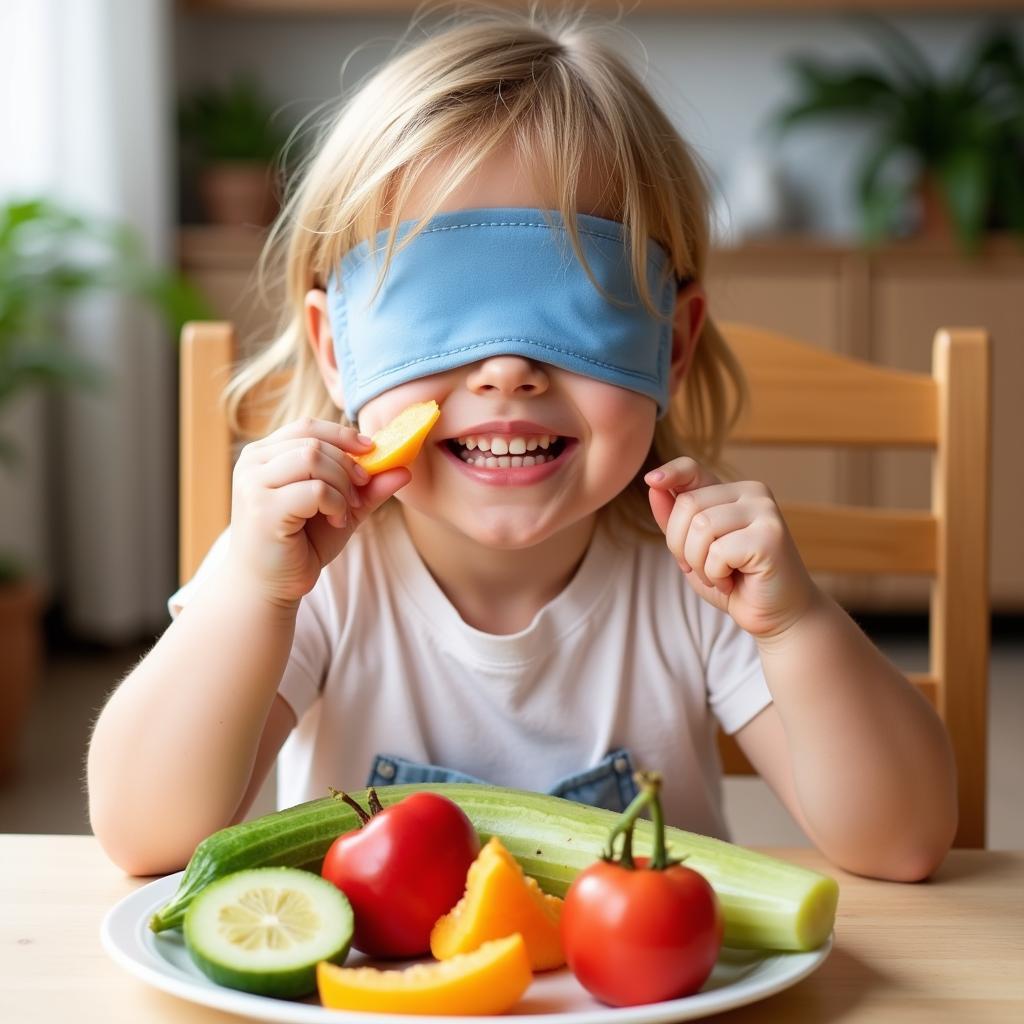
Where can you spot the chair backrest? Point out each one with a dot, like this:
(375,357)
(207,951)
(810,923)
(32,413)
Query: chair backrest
(801,396)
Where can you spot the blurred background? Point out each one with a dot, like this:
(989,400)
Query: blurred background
(869,181)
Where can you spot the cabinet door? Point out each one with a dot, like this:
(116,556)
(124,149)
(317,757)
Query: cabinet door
(911,298)
(805,294)
(221,263)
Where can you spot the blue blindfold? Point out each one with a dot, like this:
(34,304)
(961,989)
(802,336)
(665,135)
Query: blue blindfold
(478,283)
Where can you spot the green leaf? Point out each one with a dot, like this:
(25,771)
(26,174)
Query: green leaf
(861,92)
(966,179)
(51,365)
(880,200)
(234,122)
(900,49)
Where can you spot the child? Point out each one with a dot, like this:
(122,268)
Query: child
(514,616)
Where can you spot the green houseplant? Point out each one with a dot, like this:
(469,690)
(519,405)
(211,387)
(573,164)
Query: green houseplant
(48,257)
(962,131)
(231,142)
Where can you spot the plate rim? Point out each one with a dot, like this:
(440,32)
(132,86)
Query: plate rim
(133,911)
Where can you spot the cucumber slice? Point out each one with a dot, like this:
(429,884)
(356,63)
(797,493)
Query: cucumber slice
(264,930)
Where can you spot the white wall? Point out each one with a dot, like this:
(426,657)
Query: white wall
(717,76)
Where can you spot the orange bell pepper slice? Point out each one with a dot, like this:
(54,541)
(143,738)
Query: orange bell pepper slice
(492,979)
(500,900)
(397,443)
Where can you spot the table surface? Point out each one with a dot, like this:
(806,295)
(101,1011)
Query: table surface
(949,949)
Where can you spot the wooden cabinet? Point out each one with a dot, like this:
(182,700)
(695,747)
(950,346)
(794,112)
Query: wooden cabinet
(883,305)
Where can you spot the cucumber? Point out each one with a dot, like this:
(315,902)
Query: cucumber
(264,930)
(766,903)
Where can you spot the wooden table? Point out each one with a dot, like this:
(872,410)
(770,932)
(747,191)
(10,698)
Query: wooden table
(950,949)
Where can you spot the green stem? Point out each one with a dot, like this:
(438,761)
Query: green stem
(659,857)
(649,796)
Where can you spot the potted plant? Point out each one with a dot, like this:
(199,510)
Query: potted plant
(230,140)
(962,131)
(48,256)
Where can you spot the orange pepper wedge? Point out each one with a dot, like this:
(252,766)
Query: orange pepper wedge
(397,443)
(501,900)
(491,979)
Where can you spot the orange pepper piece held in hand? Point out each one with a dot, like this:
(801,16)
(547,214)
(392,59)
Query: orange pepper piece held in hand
(399,442)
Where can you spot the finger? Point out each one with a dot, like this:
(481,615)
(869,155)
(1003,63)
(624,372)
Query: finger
(735,552)
(686,506)
(346,438)
(307,461)
(708,526)
(295,504)
(680,474)
(662,503)
(356,473)
(381,487)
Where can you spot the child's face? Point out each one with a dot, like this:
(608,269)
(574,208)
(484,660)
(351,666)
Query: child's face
(597,434)
(585,439)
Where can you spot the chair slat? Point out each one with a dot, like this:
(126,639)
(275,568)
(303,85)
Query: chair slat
(207,351)
(810,396)
(847,539)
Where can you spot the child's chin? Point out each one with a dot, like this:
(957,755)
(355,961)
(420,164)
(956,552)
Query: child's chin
(507,532)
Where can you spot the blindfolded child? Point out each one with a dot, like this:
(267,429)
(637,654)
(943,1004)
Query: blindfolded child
(502,220)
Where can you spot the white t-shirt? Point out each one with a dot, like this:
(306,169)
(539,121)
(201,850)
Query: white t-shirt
(627,655)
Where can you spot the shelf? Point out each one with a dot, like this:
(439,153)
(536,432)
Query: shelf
(212,245)
(406,7)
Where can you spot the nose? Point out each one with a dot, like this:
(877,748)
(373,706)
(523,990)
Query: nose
(512,376)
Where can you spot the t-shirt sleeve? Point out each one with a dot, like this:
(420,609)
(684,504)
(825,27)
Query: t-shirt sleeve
(736,686)
(307,664)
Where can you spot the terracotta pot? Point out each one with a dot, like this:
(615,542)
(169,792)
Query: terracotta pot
(239,192)
(935,221)
(21,644)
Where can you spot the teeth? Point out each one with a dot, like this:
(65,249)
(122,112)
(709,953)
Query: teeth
(506,452)
(505,461)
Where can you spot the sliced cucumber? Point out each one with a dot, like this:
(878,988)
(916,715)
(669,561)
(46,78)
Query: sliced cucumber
(264,930)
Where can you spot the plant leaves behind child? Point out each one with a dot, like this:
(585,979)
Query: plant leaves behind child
(399,442)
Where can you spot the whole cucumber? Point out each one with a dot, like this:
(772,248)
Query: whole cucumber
(766,903)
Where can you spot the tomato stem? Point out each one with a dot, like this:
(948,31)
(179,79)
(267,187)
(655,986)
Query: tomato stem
(340,794)
(649,796)
(375,805)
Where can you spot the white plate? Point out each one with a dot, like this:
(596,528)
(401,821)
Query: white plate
(554,997)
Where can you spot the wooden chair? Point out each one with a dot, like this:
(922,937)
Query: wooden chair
(802,395)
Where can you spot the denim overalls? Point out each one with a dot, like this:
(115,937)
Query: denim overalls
(608,784)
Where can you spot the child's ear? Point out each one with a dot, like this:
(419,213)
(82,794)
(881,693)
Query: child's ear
(321,340)
(688,322)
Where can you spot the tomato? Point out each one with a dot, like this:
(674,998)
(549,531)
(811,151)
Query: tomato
(401,870)
(645,929)
(640,936)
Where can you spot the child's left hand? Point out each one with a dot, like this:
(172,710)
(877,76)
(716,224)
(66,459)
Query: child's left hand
(733,545)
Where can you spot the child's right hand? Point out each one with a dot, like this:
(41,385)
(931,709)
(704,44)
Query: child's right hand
(296,498)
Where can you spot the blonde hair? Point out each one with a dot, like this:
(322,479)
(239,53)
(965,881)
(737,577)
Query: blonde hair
(549,85)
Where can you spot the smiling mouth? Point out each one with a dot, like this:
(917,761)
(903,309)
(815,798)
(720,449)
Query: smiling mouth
(497,451)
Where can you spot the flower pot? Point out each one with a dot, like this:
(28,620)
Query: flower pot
(238,192)
(934,220)
(21,644)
